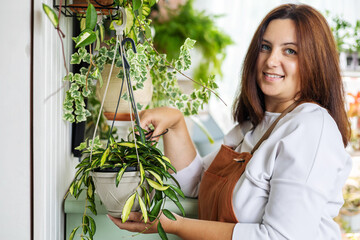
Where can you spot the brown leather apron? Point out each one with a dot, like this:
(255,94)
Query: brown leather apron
(218,182)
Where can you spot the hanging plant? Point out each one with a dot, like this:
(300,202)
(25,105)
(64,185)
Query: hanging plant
(151,192)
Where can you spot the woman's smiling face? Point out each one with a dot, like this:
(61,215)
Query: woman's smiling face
(277,65)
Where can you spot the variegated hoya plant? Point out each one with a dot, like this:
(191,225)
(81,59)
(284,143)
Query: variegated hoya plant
(147,59)
(153,167)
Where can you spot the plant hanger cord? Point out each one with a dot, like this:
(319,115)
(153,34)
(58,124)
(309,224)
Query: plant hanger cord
(119,34)
(103,100)
(133,108)
(130,108)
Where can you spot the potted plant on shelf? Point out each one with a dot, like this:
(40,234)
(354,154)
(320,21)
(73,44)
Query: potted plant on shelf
(341,30)
(351,208)
(357,44)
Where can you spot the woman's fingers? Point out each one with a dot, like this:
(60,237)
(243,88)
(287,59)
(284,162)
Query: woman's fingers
(135,223)
(135,217)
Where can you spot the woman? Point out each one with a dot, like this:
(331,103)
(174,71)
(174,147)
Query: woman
(280,172)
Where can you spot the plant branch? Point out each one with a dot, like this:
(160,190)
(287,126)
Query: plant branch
(173,67)
(61,36)
(62,47)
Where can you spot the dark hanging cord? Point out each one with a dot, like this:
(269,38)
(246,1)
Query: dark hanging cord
(130,90)
(117,106)
(126,67)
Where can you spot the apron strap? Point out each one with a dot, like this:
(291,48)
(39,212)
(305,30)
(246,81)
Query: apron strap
(271,128)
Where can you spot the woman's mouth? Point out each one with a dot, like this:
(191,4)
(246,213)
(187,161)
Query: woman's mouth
(273,76)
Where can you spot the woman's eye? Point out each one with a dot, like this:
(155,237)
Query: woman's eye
(265,47)
(290,51)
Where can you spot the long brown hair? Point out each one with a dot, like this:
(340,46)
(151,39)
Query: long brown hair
(320,78)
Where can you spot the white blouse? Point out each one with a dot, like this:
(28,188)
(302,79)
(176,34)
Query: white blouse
(292,186)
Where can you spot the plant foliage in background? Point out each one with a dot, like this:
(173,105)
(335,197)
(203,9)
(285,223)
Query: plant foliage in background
(187,22)
(166,89)
(153,167)
(147,58)
(347,36)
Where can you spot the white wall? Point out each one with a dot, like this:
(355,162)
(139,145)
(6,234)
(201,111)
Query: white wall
(53,163)
(15,120)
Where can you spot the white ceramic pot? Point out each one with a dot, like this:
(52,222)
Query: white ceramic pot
(142,96)
(113,197)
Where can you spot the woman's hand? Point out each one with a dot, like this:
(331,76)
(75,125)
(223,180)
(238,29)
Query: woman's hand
(135,223)
(161,118)
(185,228)
(178,146)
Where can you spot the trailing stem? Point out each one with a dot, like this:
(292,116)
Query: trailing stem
(173,67)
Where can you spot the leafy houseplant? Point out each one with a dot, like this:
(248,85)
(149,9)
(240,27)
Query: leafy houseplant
(350,211)
(166,89)
(340,29)
(148,59)
(347,38)
(184,22)
(118,157)
(150,166)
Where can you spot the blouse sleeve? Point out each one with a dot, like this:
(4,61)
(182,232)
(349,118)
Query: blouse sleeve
(310,169)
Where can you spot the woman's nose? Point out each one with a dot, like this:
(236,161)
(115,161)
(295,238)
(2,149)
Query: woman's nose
(273,59)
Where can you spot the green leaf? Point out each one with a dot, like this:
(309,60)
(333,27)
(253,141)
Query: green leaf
(69,117)
(161,231)
(82,146)
(92,225)
(171,194)
(120,174)
(90,191)
(75,59)
(127,208)
(85,38)
(155,210)
(152,2)
(72,234)
(170,166)
(97,47)
(142,173)
(51,15)
(145,10)
(91,17)
(158,178)
(169,214)
(92,209)
(161,162)
(178,204)
(127,144)
(156,185)
(137,4)
(104,156)
(166,159)
(102,32)
(143,209)
(85,220)
(178,190)
(72,187)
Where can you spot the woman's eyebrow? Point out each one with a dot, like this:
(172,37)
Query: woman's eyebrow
(286,43)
